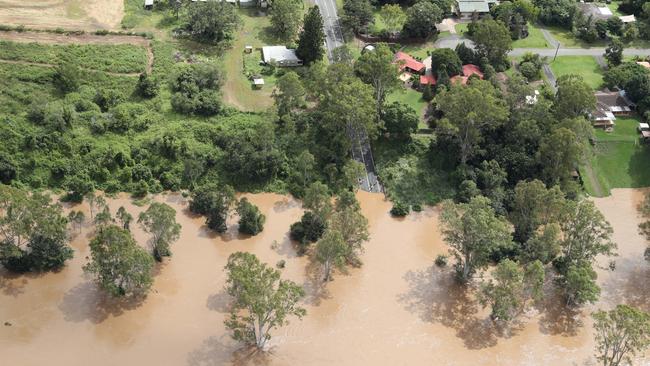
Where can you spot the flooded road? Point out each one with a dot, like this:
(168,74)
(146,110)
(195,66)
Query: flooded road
(398,309)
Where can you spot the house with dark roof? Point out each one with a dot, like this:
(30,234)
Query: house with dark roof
(595,11)
(610,104)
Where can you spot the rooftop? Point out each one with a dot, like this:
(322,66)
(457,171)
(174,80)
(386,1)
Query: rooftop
(470,6)
(407,61)
(280,54)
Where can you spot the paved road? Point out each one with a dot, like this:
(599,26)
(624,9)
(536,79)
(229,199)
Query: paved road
(552,81)
(361,150)
(333,34)
(453,40)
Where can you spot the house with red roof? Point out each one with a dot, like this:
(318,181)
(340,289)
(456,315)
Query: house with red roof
(407,63)
(428,79)
(468,70)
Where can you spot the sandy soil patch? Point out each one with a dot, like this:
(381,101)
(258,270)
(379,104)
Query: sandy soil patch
(68,14)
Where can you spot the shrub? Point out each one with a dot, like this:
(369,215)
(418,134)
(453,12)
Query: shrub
(308,230)
(441,260)
(251,220)
(400,209)
(529,71)
(147,86)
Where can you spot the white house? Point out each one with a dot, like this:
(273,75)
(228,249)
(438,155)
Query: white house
(281,55)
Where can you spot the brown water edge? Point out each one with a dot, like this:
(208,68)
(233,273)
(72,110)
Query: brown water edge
(398,309)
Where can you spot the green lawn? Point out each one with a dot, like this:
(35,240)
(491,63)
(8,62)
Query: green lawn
(461,28)
(614,8)
(620,160)
(535,39)
(418,50)
(585,66)
(238,90)
(624,130)
(413,99)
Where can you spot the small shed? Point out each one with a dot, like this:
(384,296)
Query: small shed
(258,83)
(645,135)
(248,49)
(148,4)
(643,127)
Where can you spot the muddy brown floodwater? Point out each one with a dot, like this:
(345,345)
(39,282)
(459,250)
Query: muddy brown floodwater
(398,309)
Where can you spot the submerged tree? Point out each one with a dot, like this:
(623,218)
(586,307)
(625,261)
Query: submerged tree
(118,264)
(33,231)
(330,252)
(124,217)
(215,202)
(159,220)
(251,220)
(620,334)
(473,231)
(350,223)
(511,287)
(261,300)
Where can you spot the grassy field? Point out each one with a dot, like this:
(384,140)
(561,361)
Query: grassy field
(461,28)
(238,90)
(413,99)
(619,160)
(585,66)
(535,39)
(418,50)
(124,58)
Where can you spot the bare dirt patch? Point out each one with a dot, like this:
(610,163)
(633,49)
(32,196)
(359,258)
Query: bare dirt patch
(68,14)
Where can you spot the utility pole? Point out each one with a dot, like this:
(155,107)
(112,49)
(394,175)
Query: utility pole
(556,51)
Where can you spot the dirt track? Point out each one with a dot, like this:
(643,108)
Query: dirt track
(69,14)
(53,38)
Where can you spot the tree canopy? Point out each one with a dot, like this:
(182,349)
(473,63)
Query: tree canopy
(118,264)
(262,301)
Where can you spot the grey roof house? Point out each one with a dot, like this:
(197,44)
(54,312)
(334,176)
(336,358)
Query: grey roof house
(466,8)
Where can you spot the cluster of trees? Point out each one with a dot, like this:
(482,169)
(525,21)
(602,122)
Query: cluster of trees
(549,230)
(515,16)
(118,264)
(195,88)
(211,21)
(635,80)
(493,41)
(33,232)
(217,202)
(589,29)
(566,14)
(418,21)
(339,229)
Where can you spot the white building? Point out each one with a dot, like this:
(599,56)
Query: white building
(281,55)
